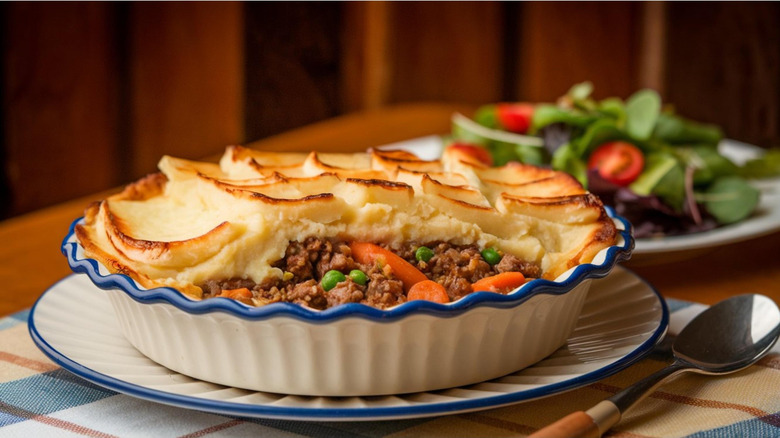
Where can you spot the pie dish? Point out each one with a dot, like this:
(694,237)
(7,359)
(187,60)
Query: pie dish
(353,348)
(87,341)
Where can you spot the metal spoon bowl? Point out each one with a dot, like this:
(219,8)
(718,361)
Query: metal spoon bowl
(727,337)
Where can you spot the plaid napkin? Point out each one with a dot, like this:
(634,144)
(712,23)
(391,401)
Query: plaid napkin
(38,398)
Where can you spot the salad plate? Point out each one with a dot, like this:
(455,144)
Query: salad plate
(765,220)
(621,322)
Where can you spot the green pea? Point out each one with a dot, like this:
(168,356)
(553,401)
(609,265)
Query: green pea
(358,277)
(491,256)
(331,279)
(423,254)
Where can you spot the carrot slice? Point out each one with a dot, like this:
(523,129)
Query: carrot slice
(236,294)
(501,283)
(368,253)
(428,290)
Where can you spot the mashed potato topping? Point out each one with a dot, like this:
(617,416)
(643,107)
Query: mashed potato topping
(198,221)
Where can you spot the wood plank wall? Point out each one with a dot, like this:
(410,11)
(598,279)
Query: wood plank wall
(93,93)
(185,80)
(59,115)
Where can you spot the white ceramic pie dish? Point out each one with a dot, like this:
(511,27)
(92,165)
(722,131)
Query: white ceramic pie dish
(351,349)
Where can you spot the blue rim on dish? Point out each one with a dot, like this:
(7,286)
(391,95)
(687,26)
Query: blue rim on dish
(72,249)
(356,413)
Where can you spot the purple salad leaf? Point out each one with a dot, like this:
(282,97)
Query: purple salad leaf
(690,207)
(649,215)
(555,135)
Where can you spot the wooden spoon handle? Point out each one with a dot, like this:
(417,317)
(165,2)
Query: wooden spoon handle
(590,424)
(575,425)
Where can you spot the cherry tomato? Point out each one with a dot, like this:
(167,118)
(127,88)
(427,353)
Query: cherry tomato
(617,162)
(515,117)
(475,151)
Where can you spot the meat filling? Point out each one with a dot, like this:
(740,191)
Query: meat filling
(305,263)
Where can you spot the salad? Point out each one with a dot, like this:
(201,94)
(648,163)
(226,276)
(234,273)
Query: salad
(661,171)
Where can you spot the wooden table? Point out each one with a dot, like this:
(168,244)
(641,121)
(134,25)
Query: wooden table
(30,258)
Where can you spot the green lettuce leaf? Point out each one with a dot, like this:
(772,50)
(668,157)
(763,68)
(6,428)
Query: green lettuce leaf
(567,160)
(730,199)
(642,110)
(676,130)
(664,177)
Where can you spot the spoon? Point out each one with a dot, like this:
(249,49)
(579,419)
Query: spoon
(727,337)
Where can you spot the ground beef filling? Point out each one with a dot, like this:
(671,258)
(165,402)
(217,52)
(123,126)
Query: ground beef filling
(455,267)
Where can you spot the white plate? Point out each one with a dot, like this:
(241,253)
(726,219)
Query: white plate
(74,324)
(765,220)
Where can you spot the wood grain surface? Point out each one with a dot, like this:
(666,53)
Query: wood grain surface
(30,258)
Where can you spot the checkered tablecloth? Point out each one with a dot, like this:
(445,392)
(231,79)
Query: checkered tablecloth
(38,398)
